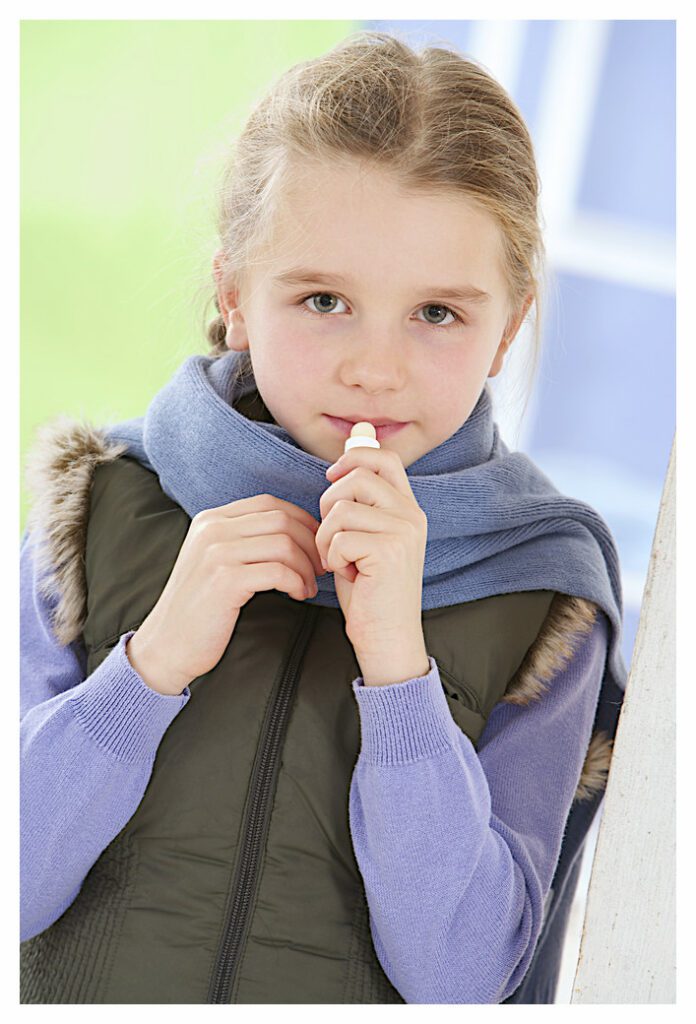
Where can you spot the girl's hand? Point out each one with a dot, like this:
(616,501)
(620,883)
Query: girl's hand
(372,536)
(228,555)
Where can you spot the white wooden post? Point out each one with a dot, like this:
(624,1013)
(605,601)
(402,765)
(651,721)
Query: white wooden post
(628,946)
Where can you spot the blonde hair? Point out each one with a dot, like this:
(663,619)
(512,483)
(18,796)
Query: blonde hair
(435,119)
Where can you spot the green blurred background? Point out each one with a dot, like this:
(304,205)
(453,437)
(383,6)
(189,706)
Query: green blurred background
(124,131)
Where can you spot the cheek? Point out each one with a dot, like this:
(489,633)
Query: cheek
(287,363)
(454,381)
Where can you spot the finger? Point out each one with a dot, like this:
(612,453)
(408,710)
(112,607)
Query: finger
(366,487)
(348,547)
(267,503)
(350,515)
(306,539)
(273,550)
(382,461)
(350,573)
(303,536)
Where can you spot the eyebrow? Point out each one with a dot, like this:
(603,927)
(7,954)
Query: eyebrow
(305,275)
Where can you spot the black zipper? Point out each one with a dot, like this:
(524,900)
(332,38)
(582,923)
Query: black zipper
(256,821)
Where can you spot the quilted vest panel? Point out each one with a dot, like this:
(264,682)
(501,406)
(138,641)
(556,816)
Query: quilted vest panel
(235,879)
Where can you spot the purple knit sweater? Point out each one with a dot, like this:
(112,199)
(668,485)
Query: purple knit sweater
(457,847)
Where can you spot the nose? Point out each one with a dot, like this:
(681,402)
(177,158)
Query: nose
(376,361)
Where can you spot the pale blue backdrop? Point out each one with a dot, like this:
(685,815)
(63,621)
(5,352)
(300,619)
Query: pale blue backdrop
(599,99)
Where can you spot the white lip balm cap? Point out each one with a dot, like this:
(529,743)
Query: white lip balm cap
(362,435)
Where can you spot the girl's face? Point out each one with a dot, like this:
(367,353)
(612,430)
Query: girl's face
(352,314)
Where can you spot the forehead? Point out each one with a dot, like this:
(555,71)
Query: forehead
(361,220)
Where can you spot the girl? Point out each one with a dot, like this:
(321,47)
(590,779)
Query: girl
(300,726)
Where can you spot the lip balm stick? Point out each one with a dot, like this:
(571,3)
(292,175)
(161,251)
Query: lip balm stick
(362,435)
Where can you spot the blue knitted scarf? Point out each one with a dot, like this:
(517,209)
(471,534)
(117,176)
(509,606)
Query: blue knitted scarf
(496,523)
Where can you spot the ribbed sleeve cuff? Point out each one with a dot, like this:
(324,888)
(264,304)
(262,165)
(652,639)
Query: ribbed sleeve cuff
(404,721)
(120,711)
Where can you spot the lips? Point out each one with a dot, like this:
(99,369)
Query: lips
(378,421)
(382,430)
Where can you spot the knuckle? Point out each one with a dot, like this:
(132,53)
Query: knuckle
(282,519)
(287,545)
(202,518)
(204,527)
(289,521)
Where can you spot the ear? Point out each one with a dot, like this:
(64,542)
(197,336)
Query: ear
(228,305)
(226,297)
(499,358)
(509,336)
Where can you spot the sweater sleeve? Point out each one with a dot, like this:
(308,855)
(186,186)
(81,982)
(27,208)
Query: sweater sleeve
(458,847)
(87,747)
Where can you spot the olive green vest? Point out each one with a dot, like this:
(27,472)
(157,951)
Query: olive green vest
(235,880)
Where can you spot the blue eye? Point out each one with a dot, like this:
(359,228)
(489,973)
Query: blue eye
(458,320)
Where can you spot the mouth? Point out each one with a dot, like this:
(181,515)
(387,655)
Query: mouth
(345,426)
